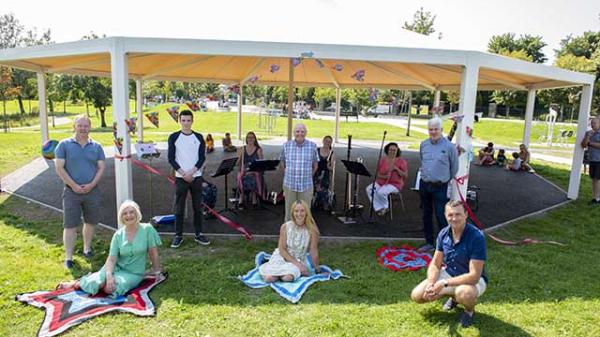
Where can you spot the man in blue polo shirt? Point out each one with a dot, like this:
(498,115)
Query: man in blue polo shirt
(80,165)
(457,268)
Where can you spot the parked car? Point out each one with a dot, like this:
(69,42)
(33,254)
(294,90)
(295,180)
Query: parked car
(379,109)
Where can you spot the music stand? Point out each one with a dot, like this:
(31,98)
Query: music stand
(261,166)
(224,169)
(357,169)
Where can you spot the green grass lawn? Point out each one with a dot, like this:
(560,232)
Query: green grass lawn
(537,290)
(510,133)
(19,147)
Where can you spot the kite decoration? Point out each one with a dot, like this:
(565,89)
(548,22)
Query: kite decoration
(338,67)
(48,149)
(131,124)
(274,68)
(66,308)
(296,61)
(320,63)
(373,94)
(153,118)
(457,118)
(193,106)
(403,258)
(253,79)
(359,75)
(119,144)
(235,89)
(174,112)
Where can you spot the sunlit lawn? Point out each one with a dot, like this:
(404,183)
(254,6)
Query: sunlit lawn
(537,290)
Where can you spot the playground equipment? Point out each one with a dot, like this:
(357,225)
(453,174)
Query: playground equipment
(267,118)
(550,121)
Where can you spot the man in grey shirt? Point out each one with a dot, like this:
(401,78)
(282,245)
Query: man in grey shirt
(591,141)
(439,164)
(80,165)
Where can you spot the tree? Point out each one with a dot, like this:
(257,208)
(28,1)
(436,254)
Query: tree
(7,90)
(526,47)
(581,53)
(13,34)
(422,23)
(99,92)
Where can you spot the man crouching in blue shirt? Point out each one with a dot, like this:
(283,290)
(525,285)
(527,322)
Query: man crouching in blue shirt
(456,269)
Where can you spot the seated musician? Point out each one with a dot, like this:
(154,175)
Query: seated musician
(322,177)
(250,184)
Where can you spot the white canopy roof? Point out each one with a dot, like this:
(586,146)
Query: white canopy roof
(319,65)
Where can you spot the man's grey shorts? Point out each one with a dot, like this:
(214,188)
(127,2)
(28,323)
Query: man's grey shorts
(74,204)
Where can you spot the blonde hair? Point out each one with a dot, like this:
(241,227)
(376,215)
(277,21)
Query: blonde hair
(309,221)
(126,204)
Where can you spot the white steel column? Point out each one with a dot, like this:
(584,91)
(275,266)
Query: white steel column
(120,101)
(468,95)
(41,82)
(338,101)
(290,106)
(139,107)
(584,113)
(436,101)
(528,116)
(240,97)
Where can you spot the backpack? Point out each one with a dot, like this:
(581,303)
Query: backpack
(209,194)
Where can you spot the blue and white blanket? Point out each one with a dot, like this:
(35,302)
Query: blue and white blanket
(291,291)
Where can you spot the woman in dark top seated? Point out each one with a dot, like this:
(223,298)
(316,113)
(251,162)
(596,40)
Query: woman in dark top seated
(322,177)
(250,184)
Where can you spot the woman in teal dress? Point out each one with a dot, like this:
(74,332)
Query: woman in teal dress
(126,262)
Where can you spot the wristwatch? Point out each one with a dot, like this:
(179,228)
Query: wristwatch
(445,283)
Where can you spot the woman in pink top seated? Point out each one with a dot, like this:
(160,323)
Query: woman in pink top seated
(391,174)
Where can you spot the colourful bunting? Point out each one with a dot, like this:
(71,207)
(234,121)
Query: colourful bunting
(153,118)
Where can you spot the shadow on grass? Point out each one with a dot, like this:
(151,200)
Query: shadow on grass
(488,325)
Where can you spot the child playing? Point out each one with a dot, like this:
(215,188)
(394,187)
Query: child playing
(515,165)
(501,158)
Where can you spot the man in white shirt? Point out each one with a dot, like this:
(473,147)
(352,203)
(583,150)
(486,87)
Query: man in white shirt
(186,156)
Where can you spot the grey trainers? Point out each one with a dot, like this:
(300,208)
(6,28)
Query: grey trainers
(426,248)
(449,305)
(69,264)
(177,240)
(201,239)
(466,319)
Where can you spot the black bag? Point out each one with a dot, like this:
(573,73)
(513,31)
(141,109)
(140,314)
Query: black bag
(209,194)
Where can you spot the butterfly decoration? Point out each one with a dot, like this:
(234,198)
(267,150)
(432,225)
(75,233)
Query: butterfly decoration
(119,144)
(253,79)
(320,63)
(193,106)
(359,75)
(296,61)
(274,68)
(307,54)
(469,131)
(338,67)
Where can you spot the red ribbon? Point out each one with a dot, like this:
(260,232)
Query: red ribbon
(217,215)
(461,181)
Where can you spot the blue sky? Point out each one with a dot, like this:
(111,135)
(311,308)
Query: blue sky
(464,24)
